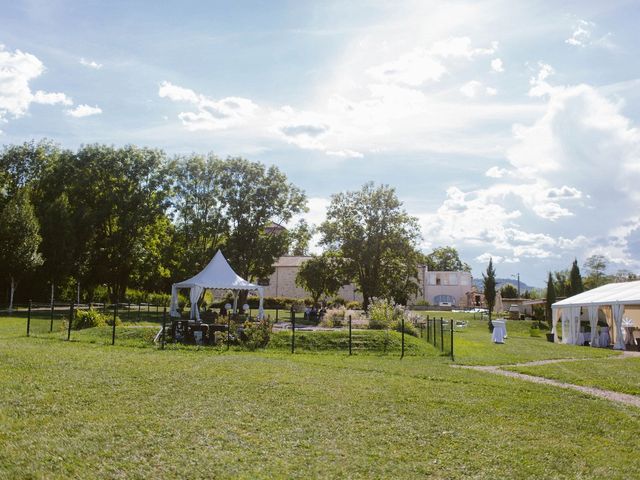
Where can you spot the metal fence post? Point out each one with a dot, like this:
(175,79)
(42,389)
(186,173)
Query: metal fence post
(293,330)
(138,312)
(70,321)
(164,328)
(51,325)
(148,311)
(228,330)
(441,334)
(277,308)
(113,332)
(29,319)
(452,330)
(402,326)
(349,334)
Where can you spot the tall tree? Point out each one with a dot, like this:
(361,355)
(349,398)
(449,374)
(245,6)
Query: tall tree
(446,259)
(301,235)
(551,298)
(322,275)
(19,240)
(253,197)
(118,195)
(377,238)
(575,279)
(199,216)
(562,283)
(596,266)
(489,281)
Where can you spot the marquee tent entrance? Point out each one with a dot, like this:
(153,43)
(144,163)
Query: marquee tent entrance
(619,303)
(217,275)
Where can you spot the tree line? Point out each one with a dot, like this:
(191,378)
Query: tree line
(111,218)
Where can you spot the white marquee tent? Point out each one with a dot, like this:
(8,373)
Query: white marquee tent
(612,299)
(217,275)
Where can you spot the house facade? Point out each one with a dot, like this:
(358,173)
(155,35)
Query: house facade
(437,288)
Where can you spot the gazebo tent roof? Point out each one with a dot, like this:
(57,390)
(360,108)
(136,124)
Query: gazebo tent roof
(218,274)
(627,293)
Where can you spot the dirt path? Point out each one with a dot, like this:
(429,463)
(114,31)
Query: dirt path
(597,392)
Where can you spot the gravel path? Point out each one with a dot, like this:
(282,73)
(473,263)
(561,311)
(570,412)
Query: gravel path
(597,392)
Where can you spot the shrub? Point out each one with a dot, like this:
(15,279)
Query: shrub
(382,313)
(256,334)
(354,305)
(334,317)
(88,319)
(338,301)
(422,303)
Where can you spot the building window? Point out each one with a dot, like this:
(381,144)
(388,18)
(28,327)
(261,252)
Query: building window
(448,299)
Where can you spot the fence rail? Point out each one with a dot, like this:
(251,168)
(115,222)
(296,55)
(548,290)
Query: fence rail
(145,324)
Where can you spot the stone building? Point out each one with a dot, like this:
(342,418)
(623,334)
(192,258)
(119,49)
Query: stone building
(437,288)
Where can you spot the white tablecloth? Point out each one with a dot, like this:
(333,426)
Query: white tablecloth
(499,331)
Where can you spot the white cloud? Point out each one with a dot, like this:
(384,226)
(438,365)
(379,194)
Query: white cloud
(496,65)
(91,64)
(413,69)
(460,47)
(471,89)
(17,70)
(209,114)
(345,153)
(84,110)
(47,98)
(490,91)
(581,35)
(554,200)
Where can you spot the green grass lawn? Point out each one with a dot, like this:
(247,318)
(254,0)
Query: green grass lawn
(620,375)
(86,410)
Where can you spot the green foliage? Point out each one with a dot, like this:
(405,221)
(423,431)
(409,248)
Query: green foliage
(422,303)
(382,314)
(353,305)
(596,266)
(19,239)
(253,197)
(509,291)
(551,297)
(489,281)
(446,259)
(575,279)
(377,239)
(92,318)
(534,331)
(256,334)
(300,236)
(322,275)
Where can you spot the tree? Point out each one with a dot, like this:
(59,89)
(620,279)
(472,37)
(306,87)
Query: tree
(322,275)
(253,197)
(19,240)
(551,298)
(624,275)
(509,291)
(199,216)
(378,240)
(562,283)
(301,236)
(119,195)
(446,259)
(596,266)
(575,279)
(489,281)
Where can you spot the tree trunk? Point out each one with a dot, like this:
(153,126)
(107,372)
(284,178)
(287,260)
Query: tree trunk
(78,294)
(13,289)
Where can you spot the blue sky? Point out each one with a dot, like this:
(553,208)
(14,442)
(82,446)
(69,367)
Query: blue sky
(510,129)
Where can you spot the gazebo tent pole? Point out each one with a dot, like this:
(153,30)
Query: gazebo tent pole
(261,304)
(173,309)
(618,312)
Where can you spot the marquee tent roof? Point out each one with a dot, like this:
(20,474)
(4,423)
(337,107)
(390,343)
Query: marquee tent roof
(218,274)
(627,293)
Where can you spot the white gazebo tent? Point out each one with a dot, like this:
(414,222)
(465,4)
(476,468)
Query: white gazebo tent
(612,299)
(217,275)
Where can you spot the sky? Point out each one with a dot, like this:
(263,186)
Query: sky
(508,128)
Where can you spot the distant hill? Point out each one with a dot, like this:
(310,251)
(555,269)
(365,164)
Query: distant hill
(502,281)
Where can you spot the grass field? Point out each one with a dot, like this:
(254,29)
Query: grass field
(619,375)
(83,410)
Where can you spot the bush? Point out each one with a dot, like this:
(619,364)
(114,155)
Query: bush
(382,314)
(256,334)
(91,318)
(421,303)
(334,317)
(338,301)
(354,305)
